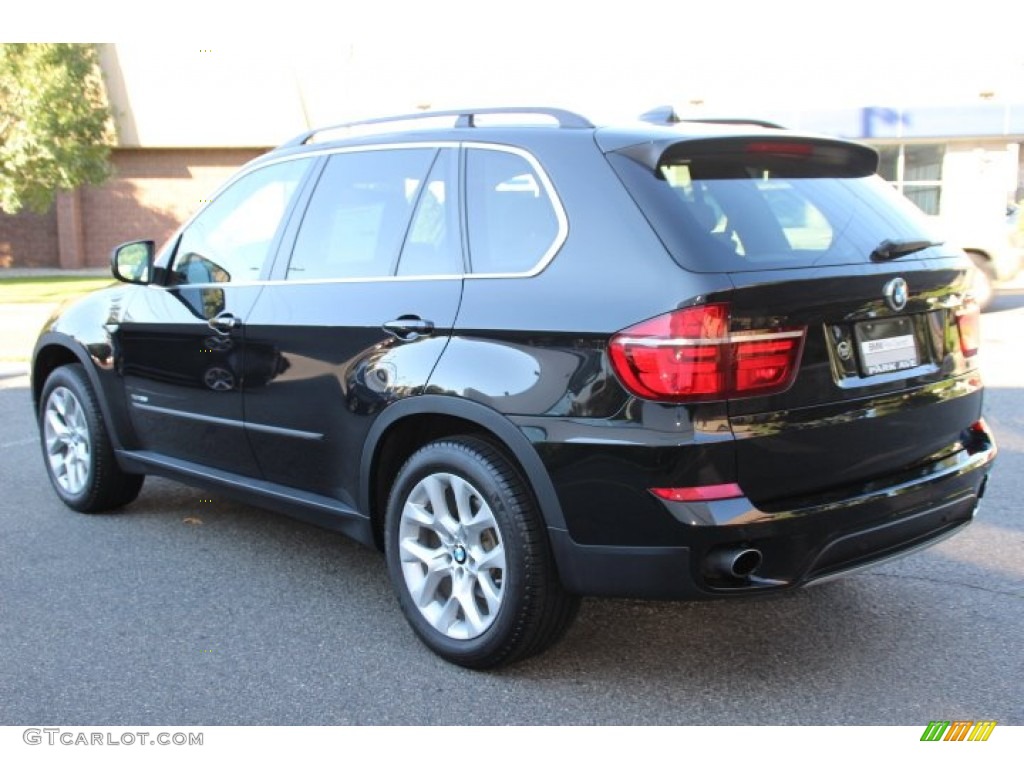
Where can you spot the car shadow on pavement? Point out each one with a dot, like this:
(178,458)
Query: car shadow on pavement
(866,643)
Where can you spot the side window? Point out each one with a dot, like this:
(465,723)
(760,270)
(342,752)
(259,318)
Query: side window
(512,221)
(434,245)
(230,239)
(359,214)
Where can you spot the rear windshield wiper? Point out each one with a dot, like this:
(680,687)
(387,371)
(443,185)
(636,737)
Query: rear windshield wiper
(888,250)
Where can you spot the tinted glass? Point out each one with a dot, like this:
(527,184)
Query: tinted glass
(748,210)
(359,214)
(433,245)
(230,239)
(512,222)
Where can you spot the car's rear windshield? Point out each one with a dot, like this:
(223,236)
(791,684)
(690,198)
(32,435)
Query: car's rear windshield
(749,205)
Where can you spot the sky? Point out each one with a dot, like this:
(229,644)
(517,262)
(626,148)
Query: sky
(340,61)
(716,53)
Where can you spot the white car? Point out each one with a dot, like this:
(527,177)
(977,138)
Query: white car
(996,251)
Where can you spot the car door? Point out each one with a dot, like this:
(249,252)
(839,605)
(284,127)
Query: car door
(358,313)
(181,344)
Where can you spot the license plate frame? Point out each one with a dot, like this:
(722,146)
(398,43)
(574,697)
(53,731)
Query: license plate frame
(888,345)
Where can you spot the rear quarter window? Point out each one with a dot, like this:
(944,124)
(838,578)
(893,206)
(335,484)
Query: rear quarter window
(513,220)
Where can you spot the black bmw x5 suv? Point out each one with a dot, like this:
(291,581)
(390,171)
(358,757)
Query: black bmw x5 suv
(537,361)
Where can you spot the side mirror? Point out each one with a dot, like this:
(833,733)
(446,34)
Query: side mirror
(133,262)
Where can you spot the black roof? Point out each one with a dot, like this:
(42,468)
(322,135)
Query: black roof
(658,128)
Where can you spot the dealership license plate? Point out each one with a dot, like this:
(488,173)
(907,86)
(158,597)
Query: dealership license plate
(887,345)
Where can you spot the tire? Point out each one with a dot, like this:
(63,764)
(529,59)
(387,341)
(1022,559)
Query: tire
(77,451)
(983,280)
(458,505)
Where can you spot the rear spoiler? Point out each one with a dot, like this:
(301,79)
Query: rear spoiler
(793,154)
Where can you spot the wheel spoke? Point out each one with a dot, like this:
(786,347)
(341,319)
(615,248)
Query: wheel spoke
(435,492)
(55,445)
(76,471)
(445,522)
(470,610)
(68,471)
(464,494)
(420,552)
(491,592)
(445,620)
(490,560)
(484,521)
(71,413)
(415,513)
(425,592)
(58,401)
(55,423)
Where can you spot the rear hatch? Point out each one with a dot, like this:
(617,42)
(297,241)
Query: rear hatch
(848,339)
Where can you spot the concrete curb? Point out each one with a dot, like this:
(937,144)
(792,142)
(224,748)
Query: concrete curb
(11,370)
(50,272)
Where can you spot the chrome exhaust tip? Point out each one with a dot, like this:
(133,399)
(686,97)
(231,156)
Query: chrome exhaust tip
(738,562)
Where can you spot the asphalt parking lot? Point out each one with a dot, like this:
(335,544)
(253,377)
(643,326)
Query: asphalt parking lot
(187,608)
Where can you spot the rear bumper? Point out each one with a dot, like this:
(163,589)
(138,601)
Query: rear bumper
(808,541)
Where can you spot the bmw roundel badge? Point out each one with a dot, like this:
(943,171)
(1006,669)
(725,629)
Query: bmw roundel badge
(896,293)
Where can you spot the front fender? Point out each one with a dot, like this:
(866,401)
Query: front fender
(82,332)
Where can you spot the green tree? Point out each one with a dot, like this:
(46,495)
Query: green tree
(55,124)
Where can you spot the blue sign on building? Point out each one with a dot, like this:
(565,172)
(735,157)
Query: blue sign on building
(882,122)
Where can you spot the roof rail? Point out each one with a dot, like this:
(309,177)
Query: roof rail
(667,115)
(737,121)
(466,118)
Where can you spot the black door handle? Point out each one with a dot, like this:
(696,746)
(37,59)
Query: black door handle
(225,323)
(408,327)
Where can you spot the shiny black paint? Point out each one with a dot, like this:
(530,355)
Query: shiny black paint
(81,332)
(835,426)
(320,391)
(803,541)
(183,377)
(339,374)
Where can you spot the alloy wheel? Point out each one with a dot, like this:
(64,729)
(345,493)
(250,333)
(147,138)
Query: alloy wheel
(452,555)
(68,441)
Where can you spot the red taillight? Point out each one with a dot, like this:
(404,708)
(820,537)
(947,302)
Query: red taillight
(699,492)
(765,363)
(980,427)
(968,321)
(690,355)
(785,148)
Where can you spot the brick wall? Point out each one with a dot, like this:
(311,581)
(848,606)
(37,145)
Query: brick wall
(151,192)
(28,240)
